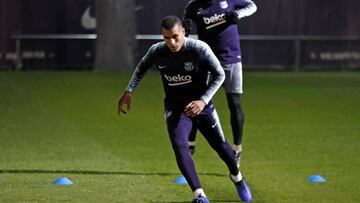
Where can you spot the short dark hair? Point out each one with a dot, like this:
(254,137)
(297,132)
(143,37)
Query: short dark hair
(169,22)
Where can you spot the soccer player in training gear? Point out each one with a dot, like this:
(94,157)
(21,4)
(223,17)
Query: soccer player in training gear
(216,22)
(184,65)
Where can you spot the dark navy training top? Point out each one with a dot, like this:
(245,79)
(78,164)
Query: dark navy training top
(185,74)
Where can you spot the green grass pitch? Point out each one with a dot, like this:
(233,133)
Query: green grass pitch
(56,124)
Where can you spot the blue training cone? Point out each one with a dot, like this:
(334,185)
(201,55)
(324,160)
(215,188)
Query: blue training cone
(63,181)
(316,179)
(180,180)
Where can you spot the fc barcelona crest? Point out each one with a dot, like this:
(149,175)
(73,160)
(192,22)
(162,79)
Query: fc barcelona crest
(189,66)
(223,4)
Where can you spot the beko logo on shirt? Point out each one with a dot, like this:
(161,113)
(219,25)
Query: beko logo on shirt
(178,79)
(213,19)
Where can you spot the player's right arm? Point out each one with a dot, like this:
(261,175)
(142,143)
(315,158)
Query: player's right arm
(143,66)
(125,99)
(242,8)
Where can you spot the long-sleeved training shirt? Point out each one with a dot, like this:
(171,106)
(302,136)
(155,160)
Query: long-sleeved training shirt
(185,74)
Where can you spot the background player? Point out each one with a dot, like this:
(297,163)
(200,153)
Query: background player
(216,22)
(184,65)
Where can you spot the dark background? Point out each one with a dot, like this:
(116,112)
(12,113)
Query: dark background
(291,34)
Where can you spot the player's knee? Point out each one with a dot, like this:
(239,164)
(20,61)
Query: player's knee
(180,146)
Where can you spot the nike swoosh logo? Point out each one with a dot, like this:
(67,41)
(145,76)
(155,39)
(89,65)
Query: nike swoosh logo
(200,11)
(87,21)
(161,67)
(213,126)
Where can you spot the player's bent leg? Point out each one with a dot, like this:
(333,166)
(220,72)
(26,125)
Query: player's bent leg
(209,125)
(179,126)
(215,137)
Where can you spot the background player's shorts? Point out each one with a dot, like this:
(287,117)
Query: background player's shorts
(234,78)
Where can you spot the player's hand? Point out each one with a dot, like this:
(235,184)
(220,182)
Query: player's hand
(194,108)
(231,17)
(124,99)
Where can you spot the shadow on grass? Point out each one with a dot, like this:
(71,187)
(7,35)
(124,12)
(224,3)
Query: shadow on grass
(211,200)
(86,172)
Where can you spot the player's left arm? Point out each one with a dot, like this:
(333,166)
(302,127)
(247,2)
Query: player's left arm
(217,78)
(216,71)
(242,8)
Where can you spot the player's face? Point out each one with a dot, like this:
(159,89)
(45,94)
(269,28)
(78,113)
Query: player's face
(174,38)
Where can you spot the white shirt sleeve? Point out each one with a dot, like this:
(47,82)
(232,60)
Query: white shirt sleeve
(216,71)
(248,10)
(143,66)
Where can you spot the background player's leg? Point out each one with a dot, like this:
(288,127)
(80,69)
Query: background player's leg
(236,116)
(233,86)
(192,142)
